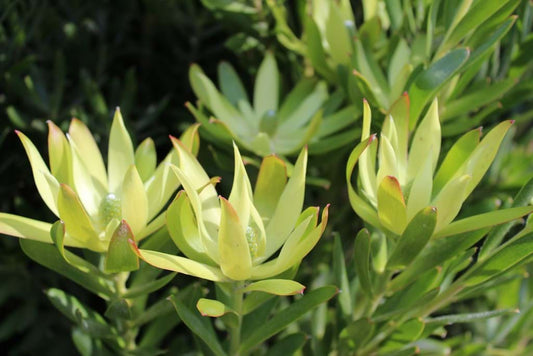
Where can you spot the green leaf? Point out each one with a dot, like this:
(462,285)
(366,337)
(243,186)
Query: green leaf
(484,220)
(230,84)
(181,265)
(59,154)
(503,259)
(92,158)
(472,20)
(455,158)
(120,256)
(266,88)
(88,320)
(146,159)
(341,276)
(191,139)
(391,205)
(468,317)
(288,208)
(134,201)
(408,331)
(315,50)
(426,139)
(359,205)
(212,308)
(483,155)
(288,345)
(120,153)
(47,185)
(429,81)
(413,239)
(25,228)
(235,259)
(276,286)
(77,223)
(362,250)
(269,185)
(200,327)
(206,91)
(449,200)
(287,316)
(337,36)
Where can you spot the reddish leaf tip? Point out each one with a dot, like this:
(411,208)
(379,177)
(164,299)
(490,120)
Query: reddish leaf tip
(512,121)
(365,101)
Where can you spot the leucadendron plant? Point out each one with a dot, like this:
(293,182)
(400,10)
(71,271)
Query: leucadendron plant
(249,244)
(416,256)
(99,211)
(456,50)
(308,115)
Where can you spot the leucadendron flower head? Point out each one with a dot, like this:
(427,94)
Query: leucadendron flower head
(235,239)
(91,201)
(397,181)
(270,124)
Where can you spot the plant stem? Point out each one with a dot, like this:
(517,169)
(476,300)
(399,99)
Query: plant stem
(235,330)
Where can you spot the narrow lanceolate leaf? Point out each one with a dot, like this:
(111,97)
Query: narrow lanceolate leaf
(391,205)
(59,154)
(197,325)
(230,84)
(240,197)
(47,185)
(25,228)
(483,155)
(341,276)
(456,156)
(183,229)
(84,140)
(450,199)
(49,257)
(57,233)
(414,238)
(427,138)
(481,221)
(120,256)
(287,316)
(191,139)
(77,222)
(276,286)
(146,159)
(120,154)
(266,89)
(270,183)
(208,94)
(180,264)
(421,187)
(288,207)
(508,256)
(212,308)
(359,205)
(89,321)
(362,260)
(134,201)
(433,78)
(235,260)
